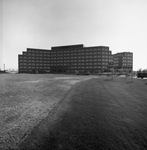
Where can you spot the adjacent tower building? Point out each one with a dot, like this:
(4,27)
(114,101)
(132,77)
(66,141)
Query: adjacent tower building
(123,62)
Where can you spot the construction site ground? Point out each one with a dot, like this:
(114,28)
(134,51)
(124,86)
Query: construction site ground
(67,112)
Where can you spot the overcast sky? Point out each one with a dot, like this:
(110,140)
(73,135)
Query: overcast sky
(119,24)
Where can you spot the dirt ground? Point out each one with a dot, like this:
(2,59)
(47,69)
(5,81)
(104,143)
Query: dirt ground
(96,114)
(25,100)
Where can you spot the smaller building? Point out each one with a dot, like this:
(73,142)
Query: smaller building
(123,62)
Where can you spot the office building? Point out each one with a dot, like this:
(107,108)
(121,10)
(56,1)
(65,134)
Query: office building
(66,59)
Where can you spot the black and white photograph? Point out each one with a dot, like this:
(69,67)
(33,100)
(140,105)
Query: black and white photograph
(73,74)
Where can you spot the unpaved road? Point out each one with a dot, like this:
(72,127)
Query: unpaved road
(97,114)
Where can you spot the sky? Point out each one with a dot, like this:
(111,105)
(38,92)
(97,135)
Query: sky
(119,24)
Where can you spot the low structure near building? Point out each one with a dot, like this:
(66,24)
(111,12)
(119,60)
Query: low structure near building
(142,75)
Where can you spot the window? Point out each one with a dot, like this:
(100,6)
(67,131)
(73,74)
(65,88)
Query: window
(90,59)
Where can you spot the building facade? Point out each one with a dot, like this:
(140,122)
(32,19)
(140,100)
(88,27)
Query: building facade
(123,62)
(66,59)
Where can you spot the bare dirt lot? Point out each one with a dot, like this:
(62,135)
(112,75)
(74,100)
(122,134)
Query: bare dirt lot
(97,114)
(25,100)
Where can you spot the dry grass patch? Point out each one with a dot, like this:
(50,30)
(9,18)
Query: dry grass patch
(27,99)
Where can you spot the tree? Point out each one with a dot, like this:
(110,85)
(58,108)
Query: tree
(145,70)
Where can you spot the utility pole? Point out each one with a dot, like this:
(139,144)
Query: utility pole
(112,73)
(132,76)
(4,67)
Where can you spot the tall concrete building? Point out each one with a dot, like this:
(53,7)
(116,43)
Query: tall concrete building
(66,59)
(123,61)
